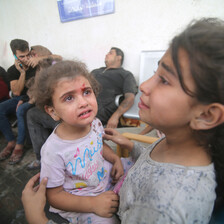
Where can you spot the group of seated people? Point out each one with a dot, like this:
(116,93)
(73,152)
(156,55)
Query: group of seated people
(177,179)
(113,79)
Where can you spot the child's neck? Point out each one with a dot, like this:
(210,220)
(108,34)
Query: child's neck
(181,150)
(66,132)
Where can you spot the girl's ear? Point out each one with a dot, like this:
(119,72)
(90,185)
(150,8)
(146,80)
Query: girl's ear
(208,117)
(51,111)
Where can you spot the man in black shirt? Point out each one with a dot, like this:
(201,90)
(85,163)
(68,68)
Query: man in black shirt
(114,81)
(18,74)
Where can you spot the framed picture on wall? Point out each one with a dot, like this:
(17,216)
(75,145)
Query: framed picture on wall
(80,9)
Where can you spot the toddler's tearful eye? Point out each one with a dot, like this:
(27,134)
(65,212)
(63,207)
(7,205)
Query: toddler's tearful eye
(87,92)
(68,98)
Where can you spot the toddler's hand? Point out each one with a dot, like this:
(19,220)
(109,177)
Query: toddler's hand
(33,62)
(18,104)
(106,204)
(117,170)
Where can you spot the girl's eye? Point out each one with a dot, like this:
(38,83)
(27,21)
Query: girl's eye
(163,80)
(87,92)
(68,98)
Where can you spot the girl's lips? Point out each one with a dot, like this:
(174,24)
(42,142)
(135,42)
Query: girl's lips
(141,105)
(85,114)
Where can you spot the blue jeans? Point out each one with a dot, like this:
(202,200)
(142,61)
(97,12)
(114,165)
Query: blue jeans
(9,107)
(21,115)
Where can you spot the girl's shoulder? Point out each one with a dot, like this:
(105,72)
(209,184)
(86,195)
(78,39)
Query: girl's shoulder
(97,125)
(97,121)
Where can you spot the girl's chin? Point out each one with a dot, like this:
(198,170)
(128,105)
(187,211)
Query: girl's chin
(144,118)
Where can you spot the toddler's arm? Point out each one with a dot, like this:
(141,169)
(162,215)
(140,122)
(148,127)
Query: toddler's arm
(117,170)
(34,61)
(104,205)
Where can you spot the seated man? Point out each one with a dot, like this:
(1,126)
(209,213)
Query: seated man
(114,81)
(18,74)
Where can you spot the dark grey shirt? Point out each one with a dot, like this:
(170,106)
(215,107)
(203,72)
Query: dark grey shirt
(113,81)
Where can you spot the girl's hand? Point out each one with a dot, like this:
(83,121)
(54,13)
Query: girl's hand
(34,200)
(116,137)
(18,104)
(117,170)
(106,204)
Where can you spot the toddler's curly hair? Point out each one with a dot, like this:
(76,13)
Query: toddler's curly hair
(51,73)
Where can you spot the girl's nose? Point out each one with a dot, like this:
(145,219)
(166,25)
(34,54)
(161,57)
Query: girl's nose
(147,86)
(82,101)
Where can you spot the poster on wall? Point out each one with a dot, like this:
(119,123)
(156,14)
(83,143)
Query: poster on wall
(80,9)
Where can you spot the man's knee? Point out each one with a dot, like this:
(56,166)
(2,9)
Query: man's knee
(38,117)
(33,114)
(22,110)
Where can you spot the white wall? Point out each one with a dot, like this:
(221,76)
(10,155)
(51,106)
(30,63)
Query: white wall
(136,25)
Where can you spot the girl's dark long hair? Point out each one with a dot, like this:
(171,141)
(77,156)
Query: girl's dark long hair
(203,40)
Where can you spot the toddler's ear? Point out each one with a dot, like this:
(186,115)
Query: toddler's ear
(50,110)
(208,117)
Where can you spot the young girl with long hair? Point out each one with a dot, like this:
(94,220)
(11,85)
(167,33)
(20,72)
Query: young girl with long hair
(179,178)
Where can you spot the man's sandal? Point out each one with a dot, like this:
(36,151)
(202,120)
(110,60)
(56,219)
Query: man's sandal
(35,165)
(6,152)
(16,156)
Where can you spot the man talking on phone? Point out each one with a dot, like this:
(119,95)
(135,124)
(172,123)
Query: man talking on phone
(20,71)
(18,74)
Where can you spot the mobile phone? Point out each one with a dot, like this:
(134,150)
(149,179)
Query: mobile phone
(18,60)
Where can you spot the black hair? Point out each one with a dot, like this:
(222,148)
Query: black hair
(119,52)
(203,40)
(18,44)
